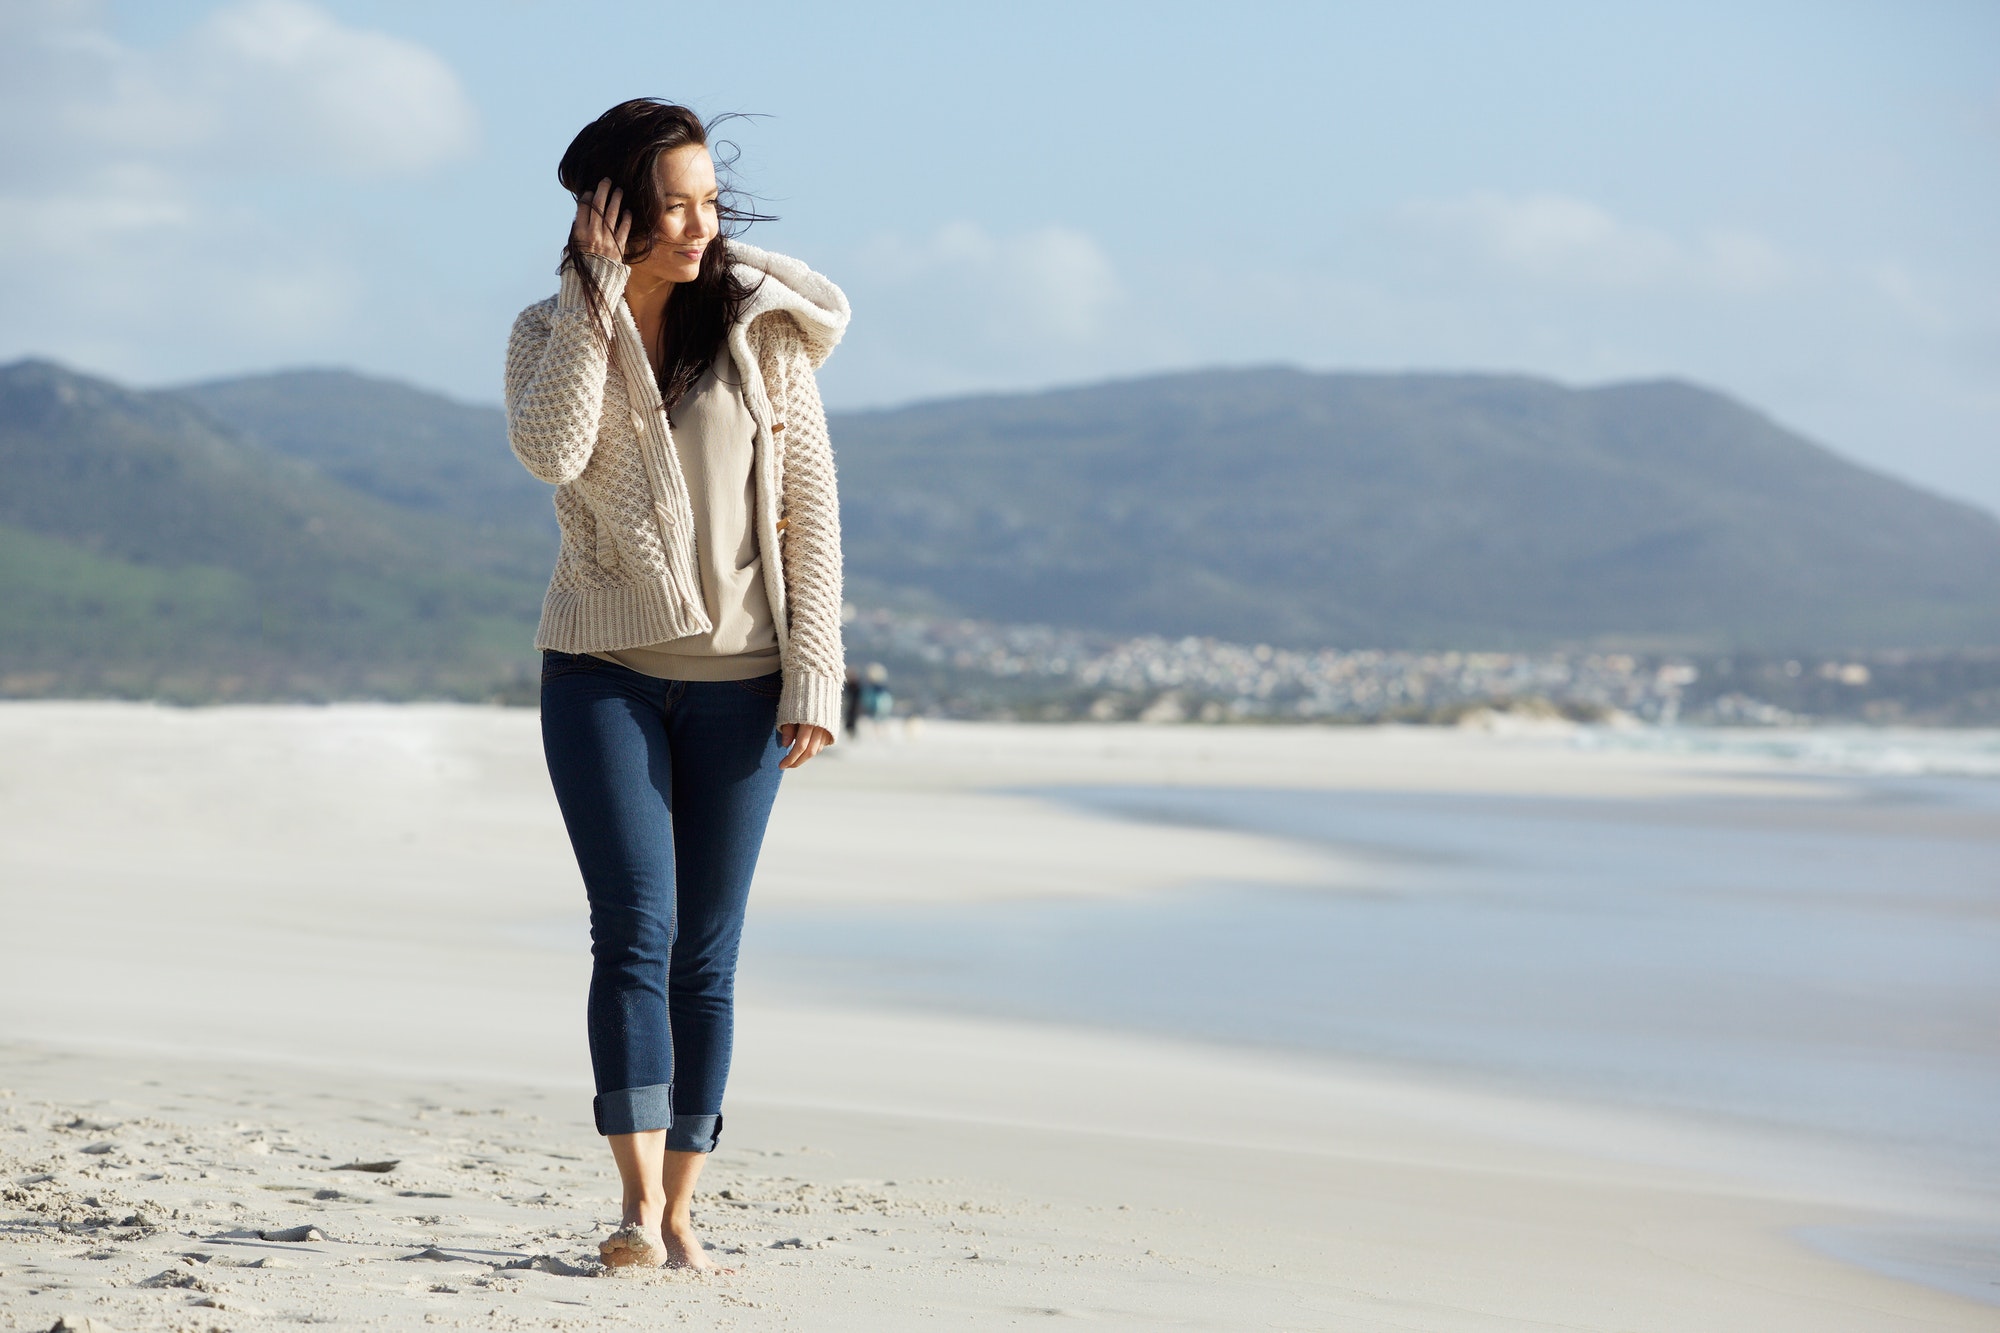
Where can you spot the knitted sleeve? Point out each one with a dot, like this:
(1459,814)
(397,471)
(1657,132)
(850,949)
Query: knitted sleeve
(809,502)
(557,360)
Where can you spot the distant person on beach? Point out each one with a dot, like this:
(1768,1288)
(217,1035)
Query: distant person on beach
(850,704)
(866,695)
(690,638)
(876,702)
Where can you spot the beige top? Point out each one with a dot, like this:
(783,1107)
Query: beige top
(714,438)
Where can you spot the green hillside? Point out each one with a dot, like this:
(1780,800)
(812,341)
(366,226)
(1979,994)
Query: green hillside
(148,547)
(395,442)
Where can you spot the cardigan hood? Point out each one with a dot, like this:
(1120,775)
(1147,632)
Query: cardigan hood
(782,283)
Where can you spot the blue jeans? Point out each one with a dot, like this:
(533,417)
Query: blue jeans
(665,786)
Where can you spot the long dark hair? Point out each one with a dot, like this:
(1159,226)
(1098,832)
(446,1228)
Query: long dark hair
(624,145)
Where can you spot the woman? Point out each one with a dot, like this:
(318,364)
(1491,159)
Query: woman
(691,632)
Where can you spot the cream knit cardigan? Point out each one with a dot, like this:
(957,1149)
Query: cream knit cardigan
(584,412)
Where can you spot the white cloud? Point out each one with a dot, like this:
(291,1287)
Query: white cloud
(1049,285)
(1741,261)
(964,309)
(100,207)
(1558,237)
(137,211)
(288,81)
(1910,295)
(259,86)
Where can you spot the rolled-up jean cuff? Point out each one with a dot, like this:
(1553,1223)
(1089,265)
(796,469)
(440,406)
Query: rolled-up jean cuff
(694,1133)
(634,1110)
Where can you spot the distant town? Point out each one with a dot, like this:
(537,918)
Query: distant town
(978,669)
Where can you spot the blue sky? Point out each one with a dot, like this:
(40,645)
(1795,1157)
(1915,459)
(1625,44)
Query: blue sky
(1795,203)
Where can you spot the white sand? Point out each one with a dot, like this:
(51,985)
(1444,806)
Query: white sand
(245,946)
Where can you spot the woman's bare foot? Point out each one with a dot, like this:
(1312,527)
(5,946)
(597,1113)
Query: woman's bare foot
(636,1243)
(684,1249)
(633,1245)
(678,1173)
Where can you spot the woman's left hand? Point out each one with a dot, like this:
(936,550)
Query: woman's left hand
(806,741)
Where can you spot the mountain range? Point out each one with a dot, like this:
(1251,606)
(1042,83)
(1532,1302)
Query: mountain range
(1407,511)
(322,534)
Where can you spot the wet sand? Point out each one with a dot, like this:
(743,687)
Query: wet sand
(248,947)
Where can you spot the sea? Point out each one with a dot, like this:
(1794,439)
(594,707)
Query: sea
(1827,969)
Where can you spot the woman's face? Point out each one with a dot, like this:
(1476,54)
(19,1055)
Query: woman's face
(685,178)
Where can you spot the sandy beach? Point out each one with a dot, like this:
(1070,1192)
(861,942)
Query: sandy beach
(252,952)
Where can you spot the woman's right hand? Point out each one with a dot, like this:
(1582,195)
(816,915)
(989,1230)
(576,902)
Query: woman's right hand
(602,225)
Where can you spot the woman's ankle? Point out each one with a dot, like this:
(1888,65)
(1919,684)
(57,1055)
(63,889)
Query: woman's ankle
(644,1210)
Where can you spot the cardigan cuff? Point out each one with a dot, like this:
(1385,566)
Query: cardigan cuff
(812,699)
(610,275)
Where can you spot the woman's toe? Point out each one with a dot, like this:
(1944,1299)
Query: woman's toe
(631,1246)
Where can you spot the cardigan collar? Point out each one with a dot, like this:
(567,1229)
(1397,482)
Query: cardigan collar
(782,283)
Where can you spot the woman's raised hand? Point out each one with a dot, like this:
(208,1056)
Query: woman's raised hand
(602,224)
